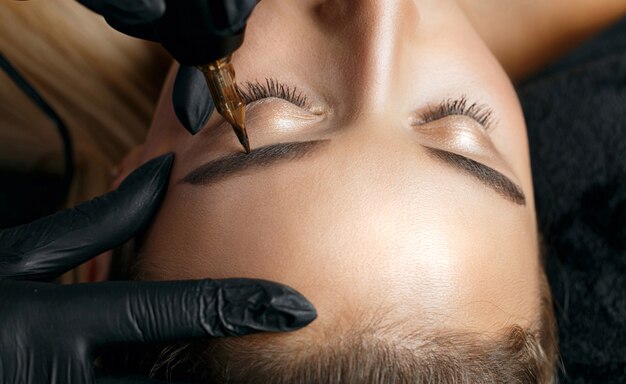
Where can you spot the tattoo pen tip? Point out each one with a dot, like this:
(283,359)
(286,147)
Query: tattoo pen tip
(242,135)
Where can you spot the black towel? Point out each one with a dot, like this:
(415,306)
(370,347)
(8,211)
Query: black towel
(576,115)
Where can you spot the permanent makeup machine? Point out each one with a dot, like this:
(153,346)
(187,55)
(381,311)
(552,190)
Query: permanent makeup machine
(197,33)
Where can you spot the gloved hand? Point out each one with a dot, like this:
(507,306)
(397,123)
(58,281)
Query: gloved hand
(192,100)
(51,333)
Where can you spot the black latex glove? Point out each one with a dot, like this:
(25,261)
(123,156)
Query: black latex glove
(192,100)
(51,333)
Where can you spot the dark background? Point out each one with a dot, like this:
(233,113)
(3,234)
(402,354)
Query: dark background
(576,115)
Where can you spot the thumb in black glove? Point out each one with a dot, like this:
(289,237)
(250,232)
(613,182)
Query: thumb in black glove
(51,333)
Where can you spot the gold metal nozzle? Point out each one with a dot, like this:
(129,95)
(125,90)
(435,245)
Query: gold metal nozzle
(220,77)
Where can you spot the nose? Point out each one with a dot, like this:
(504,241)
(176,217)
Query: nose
(368,38)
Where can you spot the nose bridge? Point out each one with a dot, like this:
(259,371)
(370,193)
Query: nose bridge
(374,32)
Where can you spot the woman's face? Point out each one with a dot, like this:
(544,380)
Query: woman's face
(393,195)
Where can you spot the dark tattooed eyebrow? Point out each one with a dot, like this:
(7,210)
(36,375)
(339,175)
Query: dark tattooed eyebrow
(240,163)
(504,186)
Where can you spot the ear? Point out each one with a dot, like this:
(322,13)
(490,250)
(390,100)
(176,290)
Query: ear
(132,161)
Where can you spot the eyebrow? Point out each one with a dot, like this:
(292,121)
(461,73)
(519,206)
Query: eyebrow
(493,179)
(240,163)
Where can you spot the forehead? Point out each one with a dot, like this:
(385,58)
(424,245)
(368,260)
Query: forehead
(361,225)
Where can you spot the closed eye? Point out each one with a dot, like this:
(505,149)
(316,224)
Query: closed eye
(256,90)
(482,113)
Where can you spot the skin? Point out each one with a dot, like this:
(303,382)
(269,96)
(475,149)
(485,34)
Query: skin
(527,35)
(369,222)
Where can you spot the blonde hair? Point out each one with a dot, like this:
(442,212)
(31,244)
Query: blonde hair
(369,352)
(375,354)
(104,86)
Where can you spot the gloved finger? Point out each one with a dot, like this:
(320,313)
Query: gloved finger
(162,311)
(128,12)
(44,249)
(192,99)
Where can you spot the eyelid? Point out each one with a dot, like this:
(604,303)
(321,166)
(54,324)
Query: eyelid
(255,91)
(481,113)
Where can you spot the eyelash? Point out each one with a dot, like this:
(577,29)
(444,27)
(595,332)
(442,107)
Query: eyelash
(479,112)
(256,90)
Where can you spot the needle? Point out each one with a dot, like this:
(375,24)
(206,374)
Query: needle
(220,77)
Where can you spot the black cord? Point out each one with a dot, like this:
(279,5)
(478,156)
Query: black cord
(36,98)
